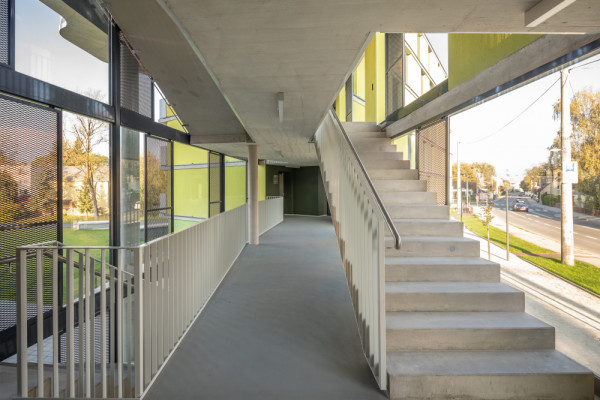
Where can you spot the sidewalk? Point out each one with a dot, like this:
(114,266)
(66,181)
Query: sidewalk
(574,312)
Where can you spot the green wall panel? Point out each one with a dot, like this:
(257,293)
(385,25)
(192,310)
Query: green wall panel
(469,54)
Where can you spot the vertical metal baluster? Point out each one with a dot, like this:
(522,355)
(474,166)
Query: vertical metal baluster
(92,325)
(55,310)
(112,327)
(139,323)
(86,297)
(103,322)
(160,301)
(39,272)
(119,309)
(129,332)
(81,321)
(22,378)
(147,316)
(154,295)
(70,324)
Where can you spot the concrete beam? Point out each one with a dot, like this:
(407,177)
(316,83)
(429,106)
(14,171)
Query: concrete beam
(220,138)
(543,10)
(546,51)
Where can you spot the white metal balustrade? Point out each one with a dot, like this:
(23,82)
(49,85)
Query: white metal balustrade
(122,322)
(360,221)
(270,213)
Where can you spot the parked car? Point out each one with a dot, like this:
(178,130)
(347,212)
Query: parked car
(520,205)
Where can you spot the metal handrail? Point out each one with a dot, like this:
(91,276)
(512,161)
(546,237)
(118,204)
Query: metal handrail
(382,209)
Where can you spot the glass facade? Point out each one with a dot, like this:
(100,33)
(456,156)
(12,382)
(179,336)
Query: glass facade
(69,171)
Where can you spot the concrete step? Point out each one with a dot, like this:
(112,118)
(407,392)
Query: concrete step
(380,155)
(381,163)
(432,246)
(467,331)
(489,375)
(352,127)
(400,197)
(418,211)
(384,173)
(373,144)
(429,227)
(453,296)
(441,269)
(400,185)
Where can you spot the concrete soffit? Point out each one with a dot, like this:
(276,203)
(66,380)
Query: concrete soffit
(543,56)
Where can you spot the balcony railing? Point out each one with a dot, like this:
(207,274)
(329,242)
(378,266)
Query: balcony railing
(116,326)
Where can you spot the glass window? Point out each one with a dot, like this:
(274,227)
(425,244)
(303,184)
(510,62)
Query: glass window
(164,112)
(132,207)
(156,190)
(235,182)
(63,44)
(191,185)
(86,181)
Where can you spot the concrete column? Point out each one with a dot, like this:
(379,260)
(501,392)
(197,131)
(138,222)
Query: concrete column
(253,193)
(566,189)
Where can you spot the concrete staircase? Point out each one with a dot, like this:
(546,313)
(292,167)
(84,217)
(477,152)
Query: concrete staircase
(453,330)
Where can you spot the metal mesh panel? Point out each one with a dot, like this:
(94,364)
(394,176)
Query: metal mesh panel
(4,34)
(28,192)
(157,188)
(214,183)
(431,146)
(394,48)
(136,86)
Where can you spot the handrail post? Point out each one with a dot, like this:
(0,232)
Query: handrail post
(138,342)
(22,384)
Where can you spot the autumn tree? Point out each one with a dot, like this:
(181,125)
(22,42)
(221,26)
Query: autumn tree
(585,140)
(87,134)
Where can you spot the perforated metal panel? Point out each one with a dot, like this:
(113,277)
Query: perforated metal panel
(28,193)
(394,50)
(4,32)
(432,157)
(136,86)
(157,188)
(215,198)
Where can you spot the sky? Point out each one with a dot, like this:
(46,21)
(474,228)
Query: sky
(512,147)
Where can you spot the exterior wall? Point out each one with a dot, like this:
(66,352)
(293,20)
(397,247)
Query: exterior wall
(469,54)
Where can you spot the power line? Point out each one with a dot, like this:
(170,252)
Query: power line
(516,117)
(583,65)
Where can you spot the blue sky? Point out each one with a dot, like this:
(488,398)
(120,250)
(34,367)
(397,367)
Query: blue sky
(524,142)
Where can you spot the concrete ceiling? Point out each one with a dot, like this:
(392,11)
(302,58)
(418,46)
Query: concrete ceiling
(222,63)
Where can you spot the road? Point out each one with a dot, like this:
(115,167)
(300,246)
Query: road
(545,222)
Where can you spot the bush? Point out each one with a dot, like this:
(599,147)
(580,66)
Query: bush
(550,200)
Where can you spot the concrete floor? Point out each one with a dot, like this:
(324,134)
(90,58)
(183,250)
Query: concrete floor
(281,326)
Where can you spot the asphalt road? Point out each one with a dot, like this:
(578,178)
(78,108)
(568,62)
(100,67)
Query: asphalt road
(545,221)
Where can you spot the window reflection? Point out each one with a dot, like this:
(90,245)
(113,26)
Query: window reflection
(65,44)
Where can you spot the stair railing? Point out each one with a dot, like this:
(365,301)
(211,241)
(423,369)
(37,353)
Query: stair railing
(360,218)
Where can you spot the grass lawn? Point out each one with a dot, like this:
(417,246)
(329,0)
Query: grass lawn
(582,274)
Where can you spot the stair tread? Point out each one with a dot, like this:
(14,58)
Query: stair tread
(449,287)
(438,261)
(463,320)
(481,362)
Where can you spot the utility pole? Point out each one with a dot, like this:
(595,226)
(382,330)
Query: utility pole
(567,254)
(477,190)
(467,193)
(458,188)
(507,243)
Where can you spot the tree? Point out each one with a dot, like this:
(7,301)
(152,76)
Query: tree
(8,199)
(487,220)
(87,134)
(585,141)
(84,200)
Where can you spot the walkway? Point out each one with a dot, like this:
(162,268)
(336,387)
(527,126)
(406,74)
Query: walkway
(281,326)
